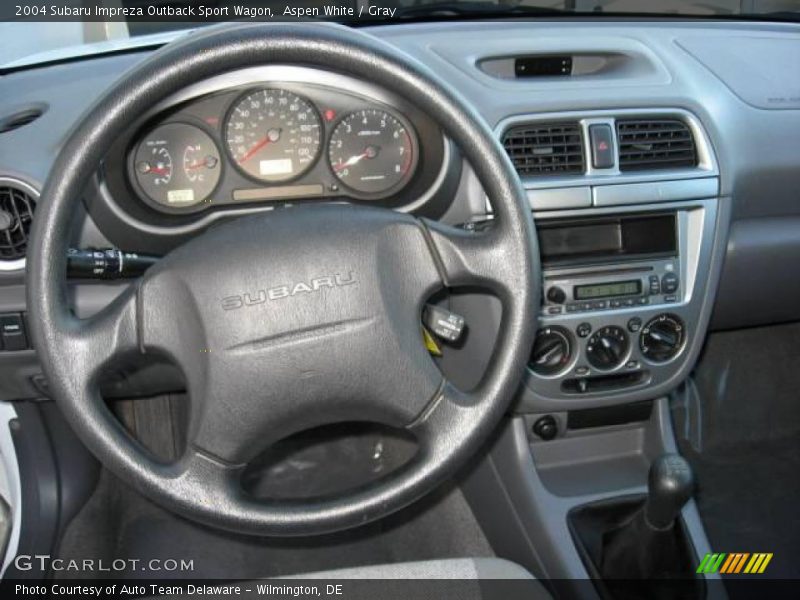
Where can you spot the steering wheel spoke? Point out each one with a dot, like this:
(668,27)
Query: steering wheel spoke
(468,258)
(91,344)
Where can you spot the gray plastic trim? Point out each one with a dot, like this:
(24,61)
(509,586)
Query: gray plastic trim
(557,198)
(657,191)
(527,522)
(19,264)
(11,485)
(703,230)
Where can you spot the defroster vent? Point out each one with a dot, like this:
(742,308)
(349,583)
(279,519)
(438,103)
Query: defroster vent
(545,148)
(646,144)
(17,204)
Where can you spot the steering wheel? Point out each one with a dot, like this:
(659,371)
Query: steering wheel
(330,327)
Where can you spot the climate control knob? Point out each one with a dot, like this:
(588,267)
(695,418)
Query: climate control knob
(662,338)
(607,348)
(552,351)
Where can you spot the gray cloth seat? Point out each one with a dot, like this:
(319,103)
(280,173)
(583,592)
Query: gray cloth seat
(455,568)
(451,579)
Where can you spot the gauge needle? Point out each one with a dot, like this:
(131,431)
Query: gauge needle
(369,152)
(159,170)
(272,136)
(197,165)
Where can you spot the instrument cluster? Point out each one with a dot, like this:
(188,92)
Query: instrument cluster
(277,143)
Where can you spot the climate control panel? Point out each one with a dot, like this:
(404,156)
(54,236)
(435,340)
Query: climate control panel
(622,352)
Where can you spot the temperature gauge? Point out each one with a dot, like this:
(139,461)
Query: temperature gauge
(193,180)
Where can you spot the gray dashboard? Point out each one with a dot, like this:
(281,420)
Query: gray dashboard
(745,105)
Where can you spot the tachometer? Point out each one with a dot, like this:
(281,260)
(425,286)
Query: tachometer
(371,151)
(273,135)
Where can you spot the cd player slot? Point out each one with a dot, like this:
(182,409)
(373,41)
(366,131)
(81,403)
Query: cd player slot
(596,272)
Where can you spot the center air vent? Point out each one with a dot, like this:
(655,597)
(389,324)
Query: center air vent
(17,203)
(655,144)
(545,148)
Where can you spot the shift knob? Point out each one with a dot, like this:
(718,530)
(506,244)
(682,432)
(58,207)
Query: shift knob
(670,484)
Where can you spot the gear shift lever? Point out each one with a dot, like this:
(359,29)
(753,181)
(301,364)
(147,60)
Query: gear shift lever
(670,484)
(647,545)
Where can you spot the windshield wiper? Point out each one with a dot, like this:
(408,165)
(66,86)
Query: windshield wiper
(474,9)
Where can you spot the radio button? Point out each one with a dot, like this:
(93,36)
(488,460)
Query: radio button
(556,295)
(574,307)
(628,302)
(599,304)
(671,298)
(655,284)
(669,283)
(644,300)
(553,310)
(615,303)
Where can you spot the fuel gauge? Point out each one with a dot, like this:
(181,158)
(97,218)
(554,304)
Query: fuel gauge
(190,182)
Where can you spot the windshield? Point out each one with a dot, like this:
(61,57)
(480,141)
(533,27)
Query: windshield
(37,33)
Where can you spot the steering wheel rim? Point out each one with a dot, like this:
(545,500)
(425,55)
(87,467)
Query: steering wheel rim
(203,485)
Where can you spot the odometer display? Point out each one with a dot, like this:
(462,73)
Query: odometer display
(273,135)
(372,151)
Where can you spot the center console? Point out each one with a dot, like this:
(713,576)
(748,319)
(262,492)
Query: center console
(631,235)
(623,290)
(632,230)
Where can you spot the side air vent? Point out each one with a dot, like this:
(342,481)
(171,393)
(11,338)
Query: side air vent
(17,203)
(646,144)
(545,148)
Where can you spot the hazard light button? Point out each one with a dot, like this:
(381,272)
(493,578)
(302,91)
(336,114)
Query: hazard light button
(602,146)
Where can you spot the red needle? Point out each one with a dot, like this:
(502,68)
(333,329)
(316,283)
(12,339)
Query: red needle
(159,170)
(350,161)
(196,165)
(258,146)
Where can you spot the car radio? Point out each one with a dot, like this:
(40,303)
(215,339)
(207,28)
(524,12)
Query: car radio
(635,284)
(609,262)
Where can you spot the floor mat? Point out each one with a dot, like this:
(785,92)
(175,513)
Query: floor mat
(738,424)
(118,523)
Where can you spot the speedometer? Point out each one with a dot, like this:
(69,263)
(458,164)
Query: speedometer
(273,135)
(372,152)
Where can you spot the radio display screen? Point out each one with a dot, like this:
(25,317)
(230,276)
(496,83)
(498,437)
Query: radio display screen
(606,290)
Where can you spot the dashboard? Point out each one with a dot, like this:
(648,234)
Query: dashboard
(280,141)
(205,155)
(263,138)
(269,136)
